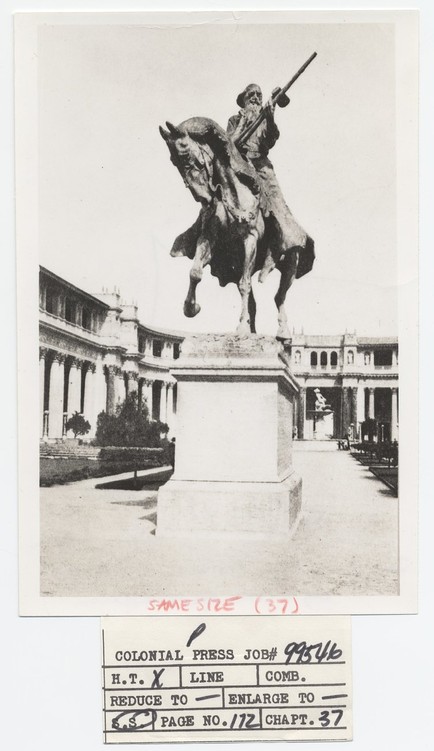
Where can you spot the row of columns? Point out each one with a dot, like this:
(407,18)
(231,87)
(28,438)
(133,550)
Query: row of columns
(352,410)
(120,383)
(393,412)
(69,384)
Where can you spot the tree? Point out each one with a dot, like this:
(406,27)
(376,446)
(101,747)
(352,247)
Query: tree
(129,426)
(77,424)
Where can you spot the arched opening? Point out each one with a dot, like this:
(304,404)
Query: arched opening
(323,359)
(69,310)
(314,359)
(297,357)
(86,319)
(157,347)
(334,359)
(50,301)
(383,357)
(350,357)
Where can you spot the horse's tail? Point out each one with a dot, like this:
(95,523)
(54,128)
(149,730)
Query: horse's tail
(306,258)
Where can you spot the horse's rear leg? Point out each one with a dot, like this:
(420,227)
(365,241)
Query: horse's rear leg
(245,285)
(252,312)
(288,270)
(201,259)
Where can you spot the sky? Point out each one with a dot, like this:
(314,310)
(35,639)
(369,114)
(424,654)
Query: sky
(111,203)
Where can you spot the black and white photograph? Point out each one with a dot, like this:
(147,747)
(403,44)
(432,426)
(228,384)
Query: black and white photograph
(217,279)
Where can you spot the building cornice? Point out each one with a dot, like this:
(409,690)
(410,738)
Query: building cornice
(341,376)
(76,290)
(176,336)
(87,338)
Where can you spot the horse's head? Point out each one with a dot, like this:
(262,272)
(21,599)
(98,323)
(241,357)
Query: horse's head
(181,145)
(192,160)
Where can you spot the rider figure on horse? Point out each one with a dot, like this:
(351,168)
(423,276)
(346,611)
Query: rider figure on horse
(287,231)
(244,225)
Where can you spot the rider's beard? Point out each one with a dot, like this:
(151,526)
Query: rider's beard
(252,112)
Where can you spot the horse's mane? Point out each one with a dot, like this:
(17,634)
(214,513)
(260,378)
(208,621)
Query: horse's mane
(207,131)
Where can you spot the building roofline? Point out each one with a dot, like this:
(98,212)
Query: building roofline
(73,287)
(168,333)
(339,340)
(377,340)
(329,340)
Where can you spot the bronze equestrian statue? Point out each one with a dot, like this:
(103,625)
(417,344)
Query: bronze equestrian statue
(244,224)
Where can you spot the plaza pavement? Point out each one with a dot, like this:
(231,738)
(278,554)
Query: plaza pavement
(102,542)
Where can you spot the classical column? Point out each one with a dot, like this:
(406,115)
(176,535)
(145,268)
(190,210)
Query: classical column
(345,411)
(120,387)
(111,389)
(361,404)
(57,382)
(59,308)
(301,412)
(371,409)
(147,395)
(43,352)
(78,314)
(170,411)
(89,376)
(354,403)
(163,402)
(394,415)
(74,388)
(98,384)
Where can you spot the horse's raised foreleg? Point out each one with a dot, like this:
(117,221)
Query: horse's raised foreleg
(201,259)
(248,305)
(288,270)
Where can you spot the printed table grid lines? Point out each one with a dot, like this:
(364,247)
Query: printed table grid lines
(214,665)
(103,685)
(232,707)
(227,730)
(244,685)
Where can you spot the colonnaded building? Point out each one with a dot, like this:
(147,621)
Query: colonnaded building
(94,351)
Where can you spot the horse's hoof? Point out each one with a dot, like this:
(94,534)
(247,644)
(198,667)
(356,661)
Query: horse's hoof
(243,329)
(191,309)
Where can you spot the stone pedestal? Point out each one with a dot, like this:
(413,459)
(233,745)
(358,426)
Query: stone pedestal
(233,463)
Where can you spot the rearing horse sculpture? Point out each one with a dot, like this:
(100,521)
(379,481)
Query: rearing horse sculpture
(233,234)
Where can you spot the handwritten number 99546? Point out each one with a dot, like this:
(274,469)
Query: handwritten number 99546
(316,653)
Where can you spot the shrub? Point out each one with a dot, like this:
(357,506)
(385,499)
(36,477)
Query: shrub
(77,424)
(129,426)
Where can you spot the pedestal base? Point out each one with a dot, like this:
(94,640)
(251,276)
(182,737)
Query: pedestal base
(233,461)
(224,509)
